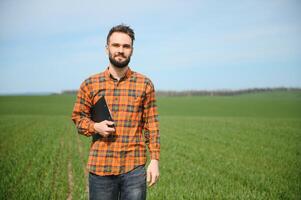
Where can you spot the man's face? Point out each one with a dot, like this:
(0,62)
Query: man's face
(119,49)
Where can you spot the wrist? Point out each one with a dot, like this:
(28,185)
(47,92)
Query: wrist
(154,161)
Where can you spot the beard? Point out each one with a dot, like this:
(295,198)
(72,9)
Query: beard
(119,64)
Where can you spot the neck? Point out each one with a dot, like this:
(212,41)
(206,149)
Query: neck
(116,72)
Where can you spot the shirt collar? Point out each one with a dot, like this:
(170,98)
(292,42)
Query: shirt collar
(127,75)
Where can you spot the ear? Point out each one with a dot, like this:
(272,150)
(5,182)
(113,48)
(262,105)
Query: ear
(132,51)
(107,49)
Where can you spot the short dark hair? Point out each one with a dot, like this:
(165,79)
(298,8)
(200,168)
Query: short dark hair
(123,29)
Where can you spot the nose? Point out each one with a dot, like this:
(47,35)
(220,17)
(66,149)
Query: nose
(120,49)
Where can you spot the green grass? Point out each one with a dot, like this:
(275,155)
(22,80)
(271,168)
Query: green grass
(235,147)
(259,105)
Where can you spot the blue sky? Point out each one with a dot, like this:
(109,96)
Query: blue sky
(50,46)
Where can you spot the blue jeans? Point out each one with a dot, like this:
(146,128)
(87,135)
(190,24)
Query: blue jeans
(128,186)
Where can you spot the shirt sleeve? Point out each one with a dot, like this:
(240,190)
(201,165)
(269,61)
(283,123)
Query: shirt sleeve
(81,112)
(151,123)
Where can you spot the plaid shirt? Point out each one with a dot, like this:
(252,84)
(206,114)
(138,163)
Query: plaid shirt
(132,103)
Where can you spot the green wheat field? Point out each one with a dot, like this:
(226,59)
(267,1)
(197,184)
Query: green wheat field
(213,147)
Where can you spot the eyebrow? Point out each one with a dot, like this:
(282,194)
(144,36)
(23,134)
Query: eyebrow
(124,45)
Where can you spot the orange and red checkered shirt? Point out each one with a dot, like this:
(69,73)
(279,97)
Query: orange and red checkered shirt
(132,103)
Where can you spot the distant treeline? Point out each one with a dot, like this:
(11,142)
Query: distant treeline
(224,92)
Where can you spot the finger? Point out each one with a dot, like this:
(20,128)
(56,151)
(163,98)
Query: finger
(110,129)
(148,177)
(153,180)
(109,123)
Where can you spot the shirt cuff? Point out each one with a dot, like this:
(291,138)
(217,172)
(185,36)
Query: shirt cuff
(155,155)
(91,128)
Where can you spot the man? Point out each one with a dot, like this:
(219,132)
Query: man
(116,160)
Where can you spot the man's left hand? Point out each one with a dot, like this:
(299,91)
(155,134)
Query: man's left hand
(152,172)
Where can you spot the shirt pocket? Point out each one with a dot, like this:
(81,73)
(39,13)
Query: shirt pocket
(134,102)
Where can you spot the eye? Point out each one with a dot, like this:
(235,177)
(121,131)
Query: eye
(127,46)
(115,45)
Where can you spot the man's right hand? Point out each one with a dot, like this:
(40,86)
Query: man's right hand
(103,128)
